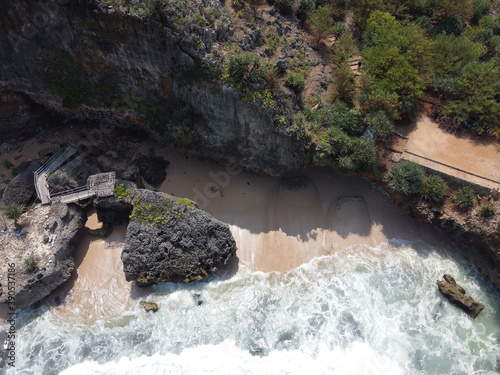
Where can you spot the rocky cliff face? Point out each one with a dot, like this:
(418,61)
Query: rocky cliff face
(40,252)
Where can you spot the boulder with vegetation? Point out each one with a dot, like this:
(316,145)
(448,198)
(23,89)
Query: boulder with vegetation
(170,239)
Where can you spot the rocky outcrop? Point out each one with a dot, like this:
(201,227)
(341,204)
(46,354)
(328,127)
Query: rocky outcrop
(41,252)
(149,306)
(456,295)
(21,189)
(169,239)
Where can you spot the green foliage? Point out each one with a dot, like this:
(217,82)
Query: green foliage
(433,188)
(245,68)
(381,99)
(395,57)
(406,177)
(479,85)
(13,211)
(464,197)
(66,78)
(121,191)
(296,81)
(344,85)
(30,263)
(487,211)
(451,53)
(380,123)
(158,214)
(185,202)
(337,129)
(322,22)
(338,115)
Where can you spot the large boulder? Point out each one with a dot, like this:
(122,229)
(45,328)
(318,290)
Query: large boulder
(170,239)
(22,187)
(40,253)
(456,295)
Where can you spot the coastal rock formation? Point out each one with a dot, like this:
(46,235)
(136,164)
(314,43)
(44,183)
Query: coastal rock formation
(456,295)
(41,252)
(21,189)
(149,306)
(170,239)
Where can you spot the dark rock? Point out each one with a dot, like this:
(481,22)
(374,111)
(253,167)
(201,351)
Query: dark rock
(456,295)
(171,241)
(113,212)
(152,169)
(21,189)
(54,256)
(281,66)
(149,306)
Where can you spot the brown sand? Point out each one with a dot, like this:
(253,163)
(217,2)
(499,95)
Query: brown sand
(275,229)
(462,155)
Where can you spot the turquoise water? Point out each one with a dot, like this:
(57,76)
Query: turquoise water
(360,311)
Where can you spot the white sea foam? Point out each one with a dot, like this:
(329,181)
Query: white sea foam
(227,359)
(360,311)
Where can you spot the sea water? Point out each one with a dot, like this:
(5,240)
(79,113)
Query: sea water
(361,310)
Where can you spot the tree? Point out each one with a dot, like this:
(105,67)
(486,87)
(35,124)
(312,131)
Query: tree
(13,211)
(405,177)
(478,98)
(395,58)
(322,23)
(451,53)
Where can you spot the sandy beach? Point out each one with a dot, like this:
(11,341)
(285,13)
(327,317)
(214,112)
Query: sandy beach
(276,228)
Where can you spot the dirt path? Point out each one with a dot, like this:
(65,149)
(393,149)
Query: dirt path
(464,156)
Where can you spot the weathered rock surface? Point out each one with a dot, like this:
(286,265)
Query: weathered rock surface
(456,295)
(149,306)
(48,237)
(21,189)
(171,240)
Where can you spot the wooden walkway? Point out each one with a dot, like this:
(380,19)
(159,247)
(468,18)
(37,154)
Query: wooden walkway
(100,185)
(40,176)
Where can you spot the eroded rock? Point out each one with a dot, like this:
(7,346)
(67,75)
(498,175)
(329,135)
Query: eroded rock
(40,253)
(170,239)
(456,295)
(149,306)
(21,189)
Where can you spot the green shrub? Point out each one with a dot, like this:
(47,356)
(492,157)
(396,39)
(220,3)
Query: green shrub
(465,198)
(30,263)
(406,177)
(295,81)
(121,191)
(13,211)
(487,211)
(380,123)
(246,68)
(433,188)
